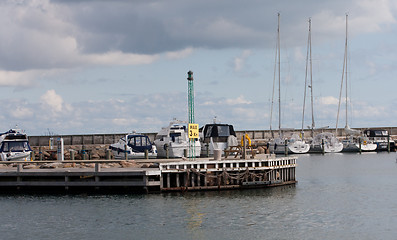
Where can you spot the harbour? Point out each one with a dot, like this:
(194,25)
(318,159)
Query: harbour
(338,196)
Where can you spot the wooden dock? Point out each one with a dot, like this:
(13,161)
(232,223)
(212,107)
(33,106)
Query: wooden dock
(168,175)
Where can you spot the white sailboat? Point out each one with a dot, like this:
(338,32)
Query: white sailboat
(283,144)
(324,142)
(353,142)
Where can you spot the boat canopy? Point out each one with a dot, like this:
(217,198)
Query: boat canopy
(218,130)
(139,143)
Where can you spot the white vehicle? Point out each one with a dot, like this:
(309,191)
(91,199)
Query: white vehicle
(14,146)
(135,145)
(174,139)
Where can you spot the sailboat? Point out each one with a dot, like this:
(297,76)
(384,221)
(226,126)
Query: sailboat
(283,144)
(325,141)
(353,142)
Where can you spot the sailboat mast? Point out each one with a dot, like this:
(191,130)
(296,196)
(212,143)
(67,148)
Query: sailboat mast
(279,74)
(346,59)
(311,73)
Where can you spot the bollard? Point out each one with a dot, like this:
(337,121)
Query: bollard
(125,152)
(167,154)
(107,154)
(146,154)
(71,154)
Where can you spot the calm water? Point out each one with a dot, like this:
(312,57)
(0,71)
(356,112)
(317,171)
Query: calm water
(339,196)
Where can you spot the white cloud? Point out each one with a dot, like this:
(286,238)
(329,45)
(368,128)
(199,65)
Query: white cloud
(21,112)
(52,100)
(179,54)
(124,121)
(236,101)
(240,60)
(329,100)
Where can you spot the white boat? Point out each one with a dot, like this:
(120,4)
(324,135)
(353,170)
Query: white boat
(175,140)
(380,137)
(325,142)
(217,136)
(14,146)
(353,142)
(134,146)
(283,144)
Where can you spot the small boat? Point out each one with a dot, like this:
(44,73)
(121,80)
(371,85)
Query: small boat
(135,145)
(14,146)
(354,142)
(380,137)
(325,142)
(218,136)
(175,140)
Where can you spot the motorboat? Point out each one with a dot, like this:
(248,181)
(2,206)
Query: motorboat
(380,137)
(353,144)
(14,146)
(217,136)
(173,141)
(133,146)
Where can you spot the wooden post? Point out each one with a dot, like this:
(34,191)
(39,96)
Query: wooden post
(286,147)
(359,143)
(125,152)
(244,148)
(388,143)
(40,153)
(167,153)
(322,146)
(146,154)
(71,154)
(107,154)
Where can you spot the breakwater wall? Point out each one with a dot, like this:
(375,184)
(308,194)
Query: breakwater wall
(104,139)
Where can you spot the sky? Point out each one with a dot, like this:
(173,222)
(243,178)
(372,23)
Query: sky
(87,66)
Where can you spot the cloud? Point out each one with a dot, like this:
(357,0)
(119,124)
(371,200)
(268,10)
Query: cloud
(240,60)
(52,101)
(329,100)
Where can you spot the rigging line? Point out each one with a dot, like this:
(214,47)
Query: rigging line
(274,84)
(304,92)
(341,85)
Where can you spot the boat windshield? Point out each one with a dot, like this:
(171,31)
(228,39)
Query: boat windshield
(223,131)
(15,146)
(139,141)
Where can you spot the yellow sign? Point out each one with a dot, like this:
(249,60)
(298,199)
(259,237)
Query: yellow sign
(193,130)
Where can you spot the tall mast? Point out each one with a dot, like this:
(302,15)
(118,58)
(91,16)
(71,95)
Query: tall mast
(308,68)
(279,74)
(346,60)
(311,73)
